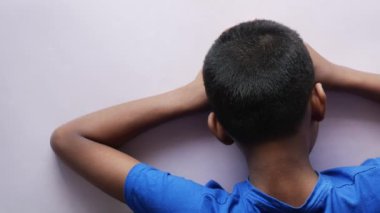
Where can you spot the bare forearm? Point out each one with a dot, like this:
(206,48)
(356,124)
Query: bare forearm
(115,125)
(343,78)
(355,81)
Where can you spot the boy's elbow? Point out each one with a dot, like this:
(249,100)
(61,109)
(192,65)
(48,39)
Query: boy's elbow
(57,139)
(60,139)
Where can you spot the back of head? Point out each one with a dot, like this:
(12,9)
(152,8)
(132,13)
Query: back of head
(258,77)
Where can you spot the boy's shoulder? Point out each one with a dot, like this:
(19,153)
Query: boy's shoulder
(354,188)
(341,177)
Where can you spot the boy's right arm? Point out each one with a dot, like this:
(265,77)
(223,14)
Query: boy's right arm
(343,78)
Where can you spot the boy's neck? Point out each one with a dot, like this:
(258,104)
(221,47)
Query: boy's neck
(282,170)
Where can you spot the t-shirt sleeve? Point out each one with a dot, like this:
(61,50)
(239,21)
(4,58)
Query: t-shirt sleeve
(372,162)
(147,189)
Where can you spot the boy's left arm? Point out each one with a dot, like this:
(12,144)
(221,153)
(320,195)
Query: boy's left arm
(89,144)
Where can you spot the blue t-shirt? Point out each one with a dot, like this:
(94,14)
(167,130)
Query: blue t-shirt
(345,189)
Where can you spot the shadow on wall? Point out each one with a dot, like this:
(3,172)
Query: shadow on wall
(350,132)
(185,147)
(180,133)
(348,106)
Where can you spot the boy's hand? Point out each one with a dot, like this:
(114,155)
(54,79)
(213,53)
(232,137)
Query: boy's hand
(344,78)
(195,93)
(322,67)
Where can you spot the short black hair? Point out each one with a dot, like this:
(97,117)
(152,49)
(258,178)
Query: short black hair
(258,77)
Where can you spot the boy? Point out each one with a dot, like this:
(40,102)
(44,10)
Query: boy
(264,87)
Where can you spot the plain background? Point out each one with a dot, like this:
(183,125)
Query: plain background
(60,59)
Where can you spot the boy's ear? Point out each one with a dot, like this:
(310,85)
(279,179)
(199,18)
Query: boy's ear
(217,129)
(318,103)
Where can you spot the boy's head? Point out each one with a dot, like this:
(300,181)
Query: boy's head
(259,79)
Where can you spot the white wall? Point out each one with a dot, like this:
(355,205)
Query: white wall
(60,59)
